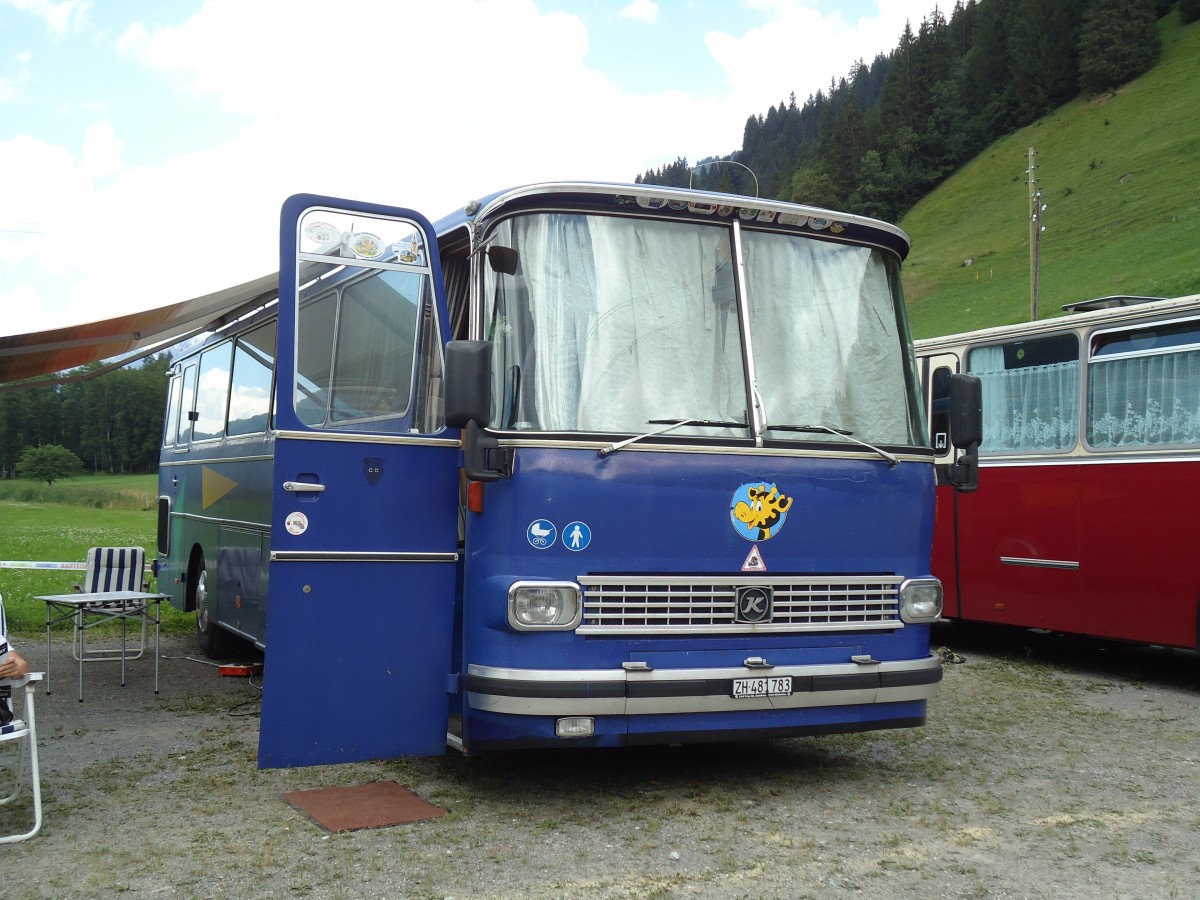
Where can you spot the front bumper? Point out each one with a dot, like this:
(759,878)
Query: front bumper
(638,692)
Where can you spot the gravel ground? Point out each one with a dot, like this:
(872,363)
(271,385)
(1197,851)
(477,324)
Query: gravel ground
(1049,768)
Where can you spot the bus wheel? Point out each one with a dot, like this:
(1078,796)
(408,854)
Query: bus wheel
(215,641)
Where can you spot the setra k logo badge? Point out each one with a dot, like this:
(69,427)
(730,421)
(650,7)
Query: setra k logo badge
(373,469)
(754,604)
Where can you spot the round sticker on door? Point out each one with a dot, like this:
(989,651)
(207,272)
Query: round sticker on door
(296,523)
(541,533)
(576,536)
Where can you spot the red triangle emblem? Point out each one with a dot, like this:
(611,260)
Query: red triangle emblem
(754,561)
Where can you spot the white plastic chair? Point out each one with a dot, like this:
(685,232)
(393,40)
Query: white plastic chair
(21,735)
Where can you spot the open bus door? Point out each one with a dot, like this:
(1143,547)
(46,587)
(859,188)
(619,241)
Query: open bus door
(364,524)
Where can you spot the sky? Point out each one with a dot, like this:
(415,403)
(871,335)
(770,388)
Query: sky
(146,147)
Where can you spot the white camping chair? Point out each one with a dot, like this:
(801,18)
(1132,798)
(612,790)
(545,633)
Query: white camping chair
(19,734)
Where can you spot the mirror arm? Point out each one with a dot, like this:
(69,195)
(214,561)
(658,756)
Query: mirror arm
(483,457)
(963,473)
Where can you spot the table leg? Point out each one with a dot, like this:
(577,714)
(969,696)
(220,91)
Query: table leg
(157,620)
(79,628)
(48,648)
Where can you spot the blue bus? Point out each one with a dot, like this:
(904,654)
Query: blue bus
(581,465)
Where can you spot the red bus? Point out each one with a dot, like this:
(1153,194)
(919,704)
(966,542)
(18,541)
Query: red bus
(1085,519)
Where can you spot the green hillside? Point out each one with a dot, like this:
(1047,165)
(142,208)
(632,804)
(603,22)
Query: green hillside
(1121,177)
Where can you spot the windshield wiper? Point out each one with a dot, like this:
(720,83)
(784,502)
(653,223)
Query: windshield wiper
(891,459)
(671,425)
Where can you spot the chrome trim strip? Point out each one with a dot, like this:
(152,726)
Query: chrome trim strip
(206,461)
(851,451)
(1039,563)
(342,437)
(1082,457)
(739,628)
(228,523)
(544,692)
(360,556)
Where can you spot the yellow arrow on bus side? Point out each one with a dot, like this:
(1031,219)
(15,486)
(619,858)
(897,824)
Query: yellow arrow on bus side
(213,486)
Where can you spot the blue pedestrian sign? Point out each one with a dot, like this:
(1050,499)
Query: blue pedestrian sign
(576,536)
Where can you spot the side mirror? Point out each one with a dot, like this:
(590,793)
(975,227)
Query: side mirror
(468,382)
(469,402)
(966,410)
(966,430)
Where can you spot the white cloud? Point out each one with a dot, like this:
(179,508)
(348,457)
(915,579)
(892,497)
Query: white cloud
(420,108)
(799,50)
(641,11)
(430,106)
(59,17)
(13,88)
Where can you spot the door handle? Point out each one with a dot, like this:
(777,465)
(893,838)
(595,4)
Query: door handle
(303,487)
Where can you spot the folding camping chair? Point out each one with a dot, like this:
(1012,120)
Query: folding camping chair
(112,590)
(112,569)
(21,734)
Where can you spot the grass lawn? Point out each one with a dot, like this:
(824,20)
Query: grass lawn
(58,524)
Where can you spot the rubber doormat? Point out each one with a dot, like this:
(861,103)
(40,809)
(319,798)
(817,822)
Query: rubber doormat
(362,806)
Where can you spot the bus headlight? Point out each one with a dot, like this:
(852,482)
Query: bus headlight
(544,605)
(920,600)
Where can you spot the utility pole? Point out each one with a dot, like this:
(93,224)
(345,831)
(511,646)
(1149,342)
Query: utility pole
(1036,208)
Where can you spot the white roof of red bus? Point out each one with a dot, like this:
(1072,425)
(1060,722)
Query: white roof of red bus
(1116,314)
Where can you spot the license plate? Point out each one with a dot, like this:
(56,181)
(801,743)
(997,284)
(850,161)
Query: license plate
(777,686)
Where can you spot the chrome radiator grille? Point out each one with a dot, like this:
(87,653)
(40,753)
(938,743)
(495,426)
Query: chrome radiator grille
(679,604)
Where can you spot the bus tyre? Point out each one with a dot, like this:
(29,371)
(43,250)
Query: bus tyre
(215,641)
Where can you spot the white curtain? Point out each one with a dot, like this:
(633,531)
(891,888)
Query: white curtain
(1027,408)
(609,323)
(621,326)
(1144,400)
(825,337)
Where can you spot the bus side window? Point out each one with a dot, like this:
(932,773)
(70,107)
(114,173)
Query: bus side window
(429,409)
(212,392)
(250,393)
(314,357)
(187,406)
(939,410)
(171,430)
(1144,387)
(1030,394)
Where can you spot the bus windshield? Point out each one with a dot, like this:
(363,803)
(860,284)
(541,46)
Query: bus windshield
(612,324)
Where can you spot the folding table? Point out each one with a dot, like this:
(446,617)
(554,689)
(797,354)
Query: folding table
(102,606)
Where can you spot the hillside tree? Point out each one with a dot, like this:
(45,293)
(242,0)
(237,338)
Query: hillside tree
(1119,41)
